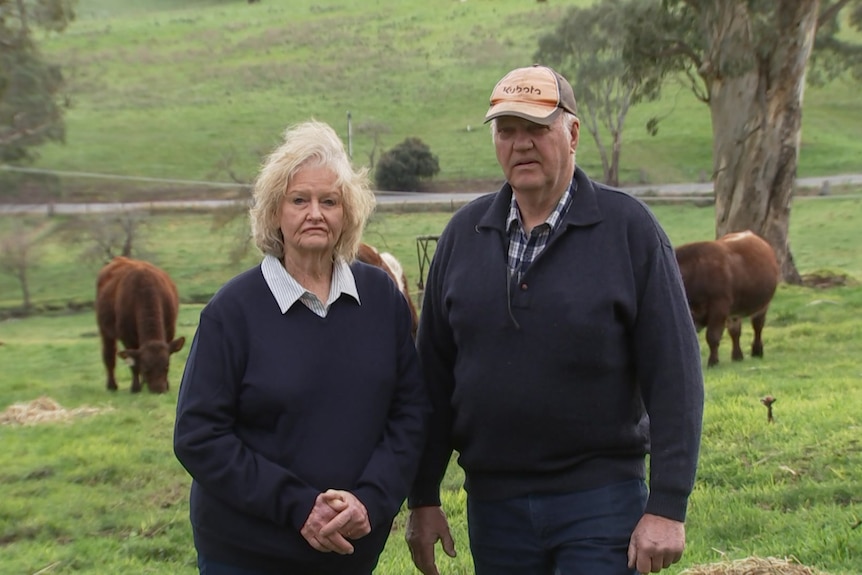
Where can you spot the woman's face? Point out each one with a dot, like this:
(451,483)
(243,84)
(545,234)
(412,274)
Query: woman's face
(312,213)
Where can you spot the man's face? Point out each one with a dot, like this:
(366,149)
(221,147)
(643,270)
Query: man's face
(535,158)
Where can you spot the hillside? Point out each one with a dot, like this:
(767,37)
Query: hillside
(203,92)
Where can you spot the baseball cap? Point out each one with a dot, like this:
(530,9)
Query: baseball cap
(536,93)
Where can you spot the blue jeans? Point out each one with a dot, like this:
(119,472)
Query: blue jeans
(209,567)
(578,533)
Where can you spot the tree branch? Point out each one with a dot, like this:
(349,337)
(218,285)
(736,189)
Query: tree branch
(831,12)
(15,135)
(22,10)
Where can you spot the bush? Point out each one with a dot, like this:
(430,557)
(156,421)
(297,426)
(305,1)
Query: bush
(401,168)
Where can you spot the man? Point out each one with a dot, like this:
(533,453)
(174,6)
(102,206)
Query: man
(559,351)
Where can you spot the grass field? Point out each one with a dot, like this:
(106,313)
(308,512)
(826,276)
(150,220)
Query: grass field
(195,248)
(186,90)
(103,493)
(186,93)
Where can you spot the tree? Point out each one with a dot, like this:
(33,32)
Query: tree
(587,48)
(102,237)
(403,166)
(18,255)
(112,235)
(746,59)
(374,129)
(30,99)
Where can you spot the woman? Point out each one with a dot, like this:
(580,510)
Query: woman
(301,412)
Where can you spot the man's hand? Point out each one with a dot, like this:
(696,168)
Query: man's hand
(426,526)
(336,517)
(657,543)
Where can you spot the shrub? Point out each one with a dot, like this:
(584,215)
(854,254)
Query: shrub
(401,168)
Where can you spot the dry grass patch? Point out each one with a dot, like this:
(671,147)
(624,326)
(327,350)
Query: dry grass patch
(826,279)
(44,410)
(754,566)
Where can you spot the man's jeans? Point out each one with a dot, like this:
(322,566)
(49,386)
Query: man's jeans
(208,567)
(578,533)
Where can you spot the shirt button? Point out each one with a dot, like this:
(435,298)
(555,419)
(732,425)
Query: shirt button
(524,287)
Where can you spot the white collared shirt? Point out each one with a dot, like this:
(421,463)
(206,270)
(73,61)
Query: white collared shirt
(287,291)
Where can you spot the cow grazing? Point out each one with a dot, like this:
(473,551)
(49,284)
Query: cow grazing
(388,263)
(137,303)
(726,280)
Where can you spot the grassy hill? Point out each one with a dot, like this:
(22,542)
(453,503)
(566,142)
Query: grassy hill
(192,90)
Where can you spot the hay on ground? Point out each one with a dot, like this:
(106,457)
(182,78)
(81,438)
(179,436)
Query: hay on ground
(43,410)
(754,566)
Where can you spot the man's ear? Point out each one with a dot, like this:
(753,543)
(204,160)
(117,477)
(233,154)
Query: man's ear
(575,135)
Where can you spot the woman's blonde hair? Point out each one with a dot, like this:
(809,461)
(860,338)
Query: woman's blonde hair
(309,144)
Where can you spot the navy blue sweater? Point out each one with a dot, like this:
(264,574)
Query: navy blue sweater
(274,409)
(567,379)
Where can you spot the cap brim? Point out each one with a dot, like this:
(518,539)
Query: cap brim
(535,114)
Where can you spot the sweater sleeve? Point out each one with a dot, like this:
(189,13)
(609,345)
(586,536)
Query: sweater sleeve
(436,346)
(669,372)
(205,441)
(386,479)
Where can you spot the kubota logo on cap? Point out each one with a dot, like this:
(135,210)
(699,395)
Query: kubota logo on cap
(515,90)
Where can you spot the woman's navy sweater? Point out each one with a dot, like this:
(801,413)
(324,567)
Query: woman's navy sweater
(274,409)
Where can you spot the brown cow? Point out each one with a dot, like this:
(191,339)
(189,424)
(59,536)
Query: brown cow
(137,303)
(726,280)
(388,263)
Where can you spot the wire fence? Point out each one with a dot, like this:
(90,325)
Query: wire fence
(153,193)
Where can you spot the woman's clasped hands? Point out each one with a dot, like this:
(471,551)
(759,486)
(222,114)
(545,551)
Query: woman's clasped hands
(336,518)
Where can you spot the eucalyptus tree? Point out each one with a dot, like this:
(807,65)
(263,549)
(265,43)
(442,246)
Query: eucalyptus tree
(748,61)
(31,103)
(587,47)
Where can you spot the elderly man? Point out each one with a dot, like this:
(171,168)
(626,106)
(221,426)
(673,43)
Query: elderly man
(559,352)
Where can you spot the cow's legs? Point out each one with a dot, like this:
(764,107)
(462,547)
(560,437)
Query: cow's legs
(714,331)
(136,379)
(109,357)
(734,328)
(757,322)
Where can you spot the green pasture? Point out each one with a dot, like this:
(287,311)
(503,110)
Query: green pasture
(196,248)
(104,494)
(186,90)
(187,93)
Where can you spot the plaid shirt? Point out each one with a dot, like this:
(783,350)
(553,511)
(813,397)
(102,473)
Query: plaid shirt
(524,250)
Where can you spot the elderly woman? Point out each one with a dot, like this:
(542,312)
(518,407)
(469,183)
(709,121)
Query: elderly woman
(301,413)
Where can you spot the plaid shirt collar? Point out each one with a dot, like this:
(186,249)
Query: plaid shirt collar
(553,219)
(523,249)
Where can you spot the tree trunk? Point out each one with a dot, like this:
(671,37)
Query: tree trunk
(590,120)
(25,290)
(613,178)
(756,119)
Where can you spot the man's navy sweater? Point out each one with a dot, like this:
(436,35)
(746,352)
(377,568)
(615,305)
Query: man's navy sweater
(274,409)
(566,379)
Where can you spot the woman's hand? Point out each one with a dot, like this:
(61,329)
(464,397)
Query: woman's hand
(337,517)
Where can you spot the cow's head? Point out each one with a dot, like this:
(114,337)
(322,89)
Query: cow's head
(153,360)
